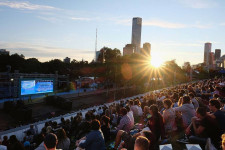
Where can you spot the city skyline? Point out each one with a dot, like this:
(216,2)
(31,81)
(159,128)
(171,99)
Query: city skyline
(176,29)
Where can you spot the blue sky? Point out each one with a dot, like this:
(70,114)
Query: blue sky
(47,29)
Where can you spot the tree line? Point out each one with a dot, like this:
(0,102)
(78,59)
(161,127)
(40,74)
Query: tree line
(110,67)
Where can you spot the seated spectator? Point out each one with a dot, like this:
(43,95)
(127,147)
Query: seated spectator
(194,101)
(84,127)
(50,141)
(129,141)
(133,108)
(169,117)
(146,114)
(161,97)
(155,123)
(2,147)
(141,143)
(63,140)
(5,141)
(138,105)
(114,117)
(14,144)
(94,140)
(187,110)
(31,130)
(125,122)
(207,128)
(130,115)
(105,128)
(214,106)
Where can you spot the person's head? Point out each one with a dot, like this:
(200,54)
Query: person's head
(223,141)
(175,97)
(87,116)
(95,124)
(167,103)
(31,126)
(214,105)
(13,139)
(151,137)
(50,141)
(141,143)
(146,109)
(201,112)
(136,102)
(5,138)
(127,108)
(123,111)
(154,110)
(61,134)
(191,95)
(105,120)
(186,100)
(131,102)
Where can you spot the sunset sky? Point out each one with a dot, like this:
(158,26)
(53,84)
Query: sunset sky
(48,29)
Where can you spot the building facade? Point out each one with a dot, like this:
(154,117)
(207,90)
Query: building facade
(217,54)
(207,50)
(4,52)
(146,50)
(136,33)
(129,49)
(66,60)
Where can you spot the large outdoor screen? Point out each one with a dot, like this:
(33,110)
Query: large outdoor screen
(36,86)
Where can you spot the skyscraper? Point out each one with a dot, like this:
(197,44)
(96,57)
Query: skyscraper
(207,51)
(217,54)
(129,49)
(136,33)
(211,58)
(146,50)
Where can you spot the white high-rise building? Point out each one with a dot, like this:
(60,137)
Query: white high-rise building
(207,51)
(136,33)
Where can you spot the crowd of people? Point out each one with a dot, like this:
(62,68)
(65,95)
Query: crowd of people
(191,113)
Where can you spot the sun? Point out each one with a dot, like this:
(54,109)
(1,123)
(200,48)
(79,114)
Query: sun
(156,61)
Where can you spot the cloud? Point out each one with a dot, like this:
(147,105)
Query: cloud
(165,24)
(161,23)
(51,19)
(25,5)
(81,19)
(198,4)
(222,24)
(45,53)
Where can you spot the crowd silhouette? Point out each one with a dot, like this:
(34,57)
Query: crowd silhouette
(188,113)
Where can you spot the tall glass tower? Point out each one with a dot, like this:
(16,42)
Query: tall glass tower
(207,51)
(136,33)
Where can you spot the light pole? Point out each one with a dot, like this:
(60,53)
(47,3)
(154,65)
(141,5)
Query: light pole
(79,86)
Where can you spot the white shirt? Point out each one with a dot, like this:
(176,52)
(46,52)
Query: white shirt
(131,116)
(3,147)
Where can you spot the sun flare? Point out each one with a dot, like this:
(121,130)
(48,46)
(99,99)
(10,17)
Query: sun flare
(156,61)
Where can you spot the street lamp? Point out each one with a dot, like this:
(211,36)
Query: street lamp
(79,86)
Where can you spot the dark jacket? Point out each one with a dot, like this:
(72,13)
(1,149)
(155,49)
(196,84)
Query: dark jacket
(94,140)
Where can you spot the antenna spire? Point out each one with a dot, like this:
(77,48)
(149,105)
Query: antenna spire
(96,45)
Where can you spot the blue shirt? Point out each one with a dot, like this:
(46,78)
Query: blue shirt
(94,141)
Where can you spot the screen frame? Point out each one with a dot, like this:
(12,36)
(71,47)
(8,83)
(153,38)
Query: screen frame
(28,79)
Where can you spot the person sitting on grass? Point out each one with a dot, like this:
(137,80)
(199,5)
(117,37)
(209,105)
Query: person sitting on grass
(94,139)
(129,141)
(207,128)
